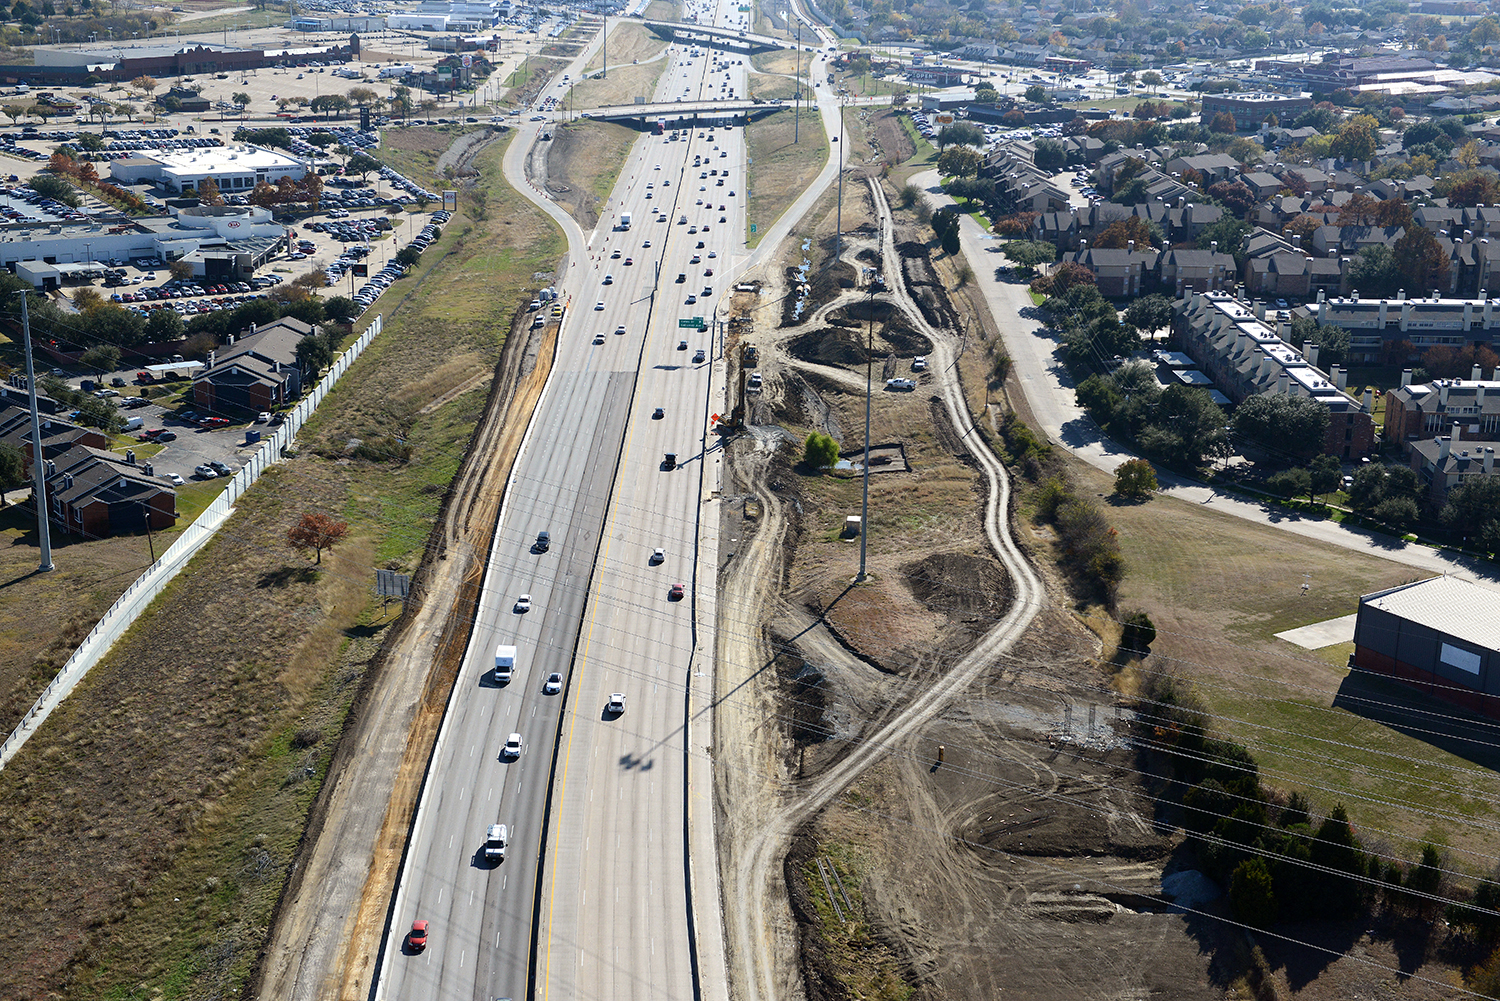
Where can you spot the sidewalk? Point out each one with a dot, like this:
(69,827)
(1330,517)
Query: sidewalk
(1048,388)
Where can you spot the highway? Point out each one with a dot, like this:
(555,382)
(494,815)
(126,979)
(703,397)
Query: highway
(616,918)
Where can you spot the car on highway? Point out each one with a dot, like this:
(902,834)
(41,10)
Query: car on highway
(615,256)
(616,704)
(599,306)
(417,937)
(675,592)
(553,684)
(512,748)
(543,542)
(658,414)
(698,357)
(708,272)
(691,299)
(599,337)
(620,329)
(609,280)
(523,604)
(646,244)
(629,261)
(657,556)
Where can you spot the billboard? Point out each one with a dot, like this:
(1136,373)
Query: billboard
(944,118)
(450,200)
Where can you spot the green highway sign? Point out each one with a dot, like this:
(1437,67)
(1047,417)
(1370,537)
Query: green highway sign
(752,227)
(691,322)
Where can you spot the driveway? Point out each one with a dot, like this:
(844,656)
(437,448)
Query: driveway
(1049,393)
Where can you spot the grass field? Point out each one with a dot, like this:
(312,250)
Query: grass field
(627,43)
(663,10)
(624,84)
(783,61)
(781,169)
(587,157)
(769,87)
(150,823)
(1218,588)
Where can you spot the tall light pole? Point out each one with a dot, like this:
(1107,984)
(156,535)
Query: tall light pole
(864,506)
(838,228)
(605,71)
(38,461)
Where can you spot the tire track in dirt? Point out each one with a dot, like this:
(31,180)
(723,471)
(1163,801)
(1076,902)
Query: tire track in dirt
(760,933)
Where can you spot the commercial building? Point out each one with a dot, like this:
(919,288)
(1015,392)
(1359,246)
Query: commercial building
(121,60)
(1244,355)
(235,169)
(1249,111)
(1440,635)
(49,254)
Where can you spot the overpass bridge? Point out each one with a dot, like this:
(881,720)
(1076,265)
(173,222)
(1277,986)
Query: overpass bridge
(683,114)
(722,38)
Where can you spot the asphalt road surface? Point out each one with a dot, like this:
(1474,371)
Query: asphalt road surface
(615,916)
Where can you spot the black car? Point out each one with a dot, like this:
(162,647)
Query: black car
(220,468)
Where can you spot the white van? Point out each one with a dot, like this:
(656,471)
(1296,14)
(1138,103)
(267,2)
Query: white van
(132,424)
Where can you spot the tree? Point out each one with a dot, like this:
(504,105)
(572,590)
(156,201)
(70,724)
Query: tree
(362,96)
(242,101)
(1152,79)
(316,532)
(208,192)
(164,325)
(945,227)
(1374,272)
(1359,210)
(362,163)
(1323,475)
(1135,479)
(1187,427)
(1420,257)
(1291,425)
(1252,894)
(821,451)
(960,134)
(144,85)
(102,357)
(1222,122)
(1027,254)
(340,309)
(313,355)
(1236,196)
(331,104)
(1290,482)
(87,298)
(1443,362)
(1119,234)
(12,470)
(1229,233)
(1357,139)
(959,161)
(55,188)
(1472,510)
(1049,155)
(180,271)
(1036,94)
(1149,313)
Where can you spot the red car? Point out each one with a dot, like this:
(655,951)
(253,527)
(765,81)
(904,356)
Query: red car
(215,422)
(417,939)
(675,593)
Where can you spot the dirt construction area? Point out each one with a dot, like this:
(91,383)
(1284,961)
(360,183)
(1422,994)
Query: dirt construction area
(1014,843)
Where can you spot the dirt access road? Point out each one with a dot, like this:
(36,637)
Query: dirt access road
(759,963)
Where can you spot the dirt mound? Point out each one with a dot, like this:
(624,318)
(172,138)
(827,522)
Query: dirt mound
(804,699)
(925,287)
(1076,818)
(823,286)
(894,141)
(829,346)
(960,583)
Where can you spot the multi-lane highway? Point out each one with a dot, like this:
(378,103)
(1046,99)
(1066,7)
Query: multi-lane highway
(614,914)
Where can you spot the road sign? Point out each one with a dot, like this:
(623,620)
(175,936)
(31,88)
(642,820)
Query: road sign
(752,227)
(691,322)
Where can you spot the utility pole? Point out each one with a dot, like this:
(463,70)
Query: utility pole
(838,228)
(797,97)
(38,467)
(864,507)
(605,71)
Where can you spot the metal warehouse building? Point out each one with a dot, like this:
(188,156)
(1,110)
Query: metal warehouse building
(1441,635)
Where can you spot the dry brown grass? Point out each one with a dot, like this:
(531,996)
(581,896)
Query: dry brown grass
(782,61)
(628,43)
(583,163)
(781,170)
(769,87)
(149,824)
(624,84)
